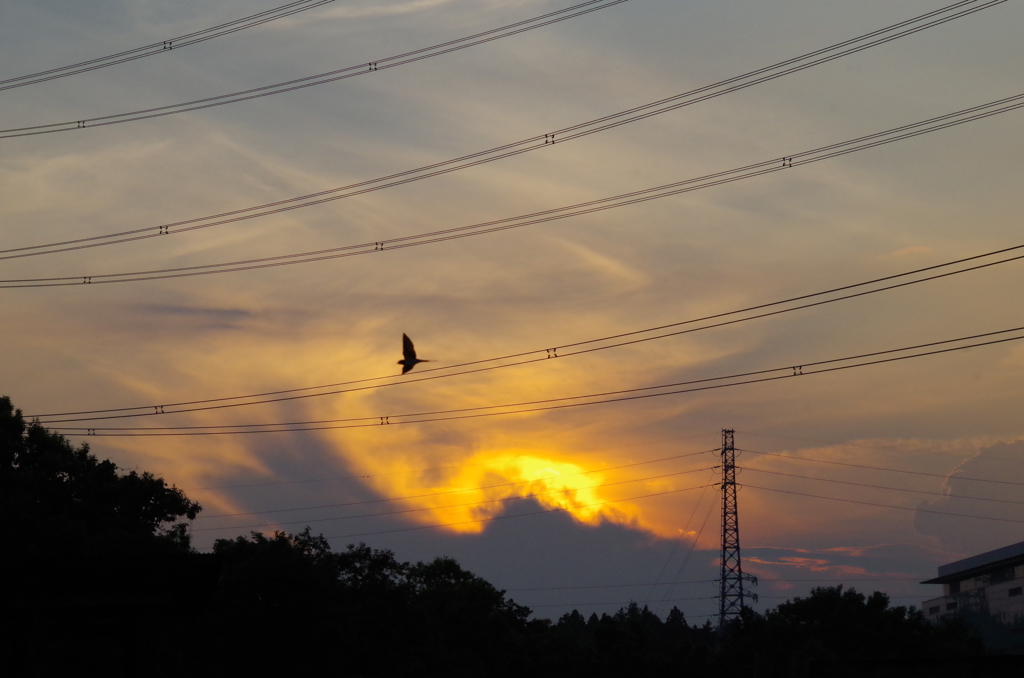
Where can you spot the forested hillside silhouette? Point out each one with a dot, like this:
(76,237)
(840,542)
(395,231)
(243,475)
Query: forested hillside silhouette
(99,573)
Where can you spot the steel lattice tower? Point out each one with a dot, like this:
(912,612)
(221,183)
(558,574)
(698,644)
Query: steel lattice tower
(732,594)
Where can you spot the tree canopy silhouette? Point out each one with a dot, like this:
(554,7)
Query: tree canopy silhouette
(57,498)
(839,632)
(384,616)
(99,568)
(101,574)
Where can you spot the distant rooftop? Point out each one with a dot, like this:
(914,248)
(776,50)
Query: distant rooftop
(962,569)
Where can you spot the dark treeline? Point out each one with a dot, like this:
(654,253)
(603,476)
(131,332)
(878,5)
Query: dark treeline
(99,572)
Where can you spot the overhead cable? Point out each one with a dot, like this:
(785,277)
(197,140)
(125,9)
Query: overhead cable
(163,46)
(500,500)
(495,226)
(515,148)
(658,494)
(887,447)
(891,597)
(540,355)
(882,468)
(679,540)
(517,515)
(788,372)
(693,547)
(448,492)
(628,602)
(322,78)
(882,487)
(687,616)
(432,469)
(708,581)
(900,508)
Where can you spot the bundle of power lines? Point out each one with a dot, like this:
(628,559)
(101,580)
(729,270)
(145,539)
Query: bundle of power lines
(93,422)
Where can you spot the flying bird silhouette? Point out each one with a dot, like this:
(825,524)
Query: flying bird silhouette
(409,351)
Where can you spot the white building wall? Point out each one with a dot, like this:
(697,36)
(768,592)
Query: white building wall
(1004,600)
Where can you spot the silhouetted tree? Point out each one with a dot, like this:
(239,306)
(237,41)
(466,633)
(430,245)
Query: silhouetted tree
(633,641)
(60,499)
(463,621)
(100,572)
(836,631)
(275,594)
(360,612)
(95,567)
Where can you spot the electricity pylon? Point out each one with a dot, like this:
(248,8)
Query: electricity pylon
(731,596)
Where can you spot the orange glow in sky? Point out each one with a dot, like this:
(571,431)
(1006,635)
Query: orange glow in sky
(464,499)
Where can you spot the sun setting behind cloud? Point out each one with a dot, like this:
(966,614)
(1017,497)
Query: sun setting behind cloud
(463,499)
(623,486)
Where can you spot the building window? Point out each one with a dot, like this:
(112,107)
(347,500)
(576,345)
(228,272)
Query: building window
(934,610)
(1017,591)
(950,606)
(1002,574)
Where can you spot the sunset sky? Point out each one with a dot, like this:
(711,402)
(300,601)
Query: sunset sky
(636,477)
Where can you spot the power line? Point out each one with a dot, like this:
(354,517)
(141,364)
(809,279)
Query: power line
(888,447)
(887,595)
(164,45)
(457,491)
(678,600)
(322,78)
(612,586)
(515,148)
(693,545)
(679,540)
(673,600)
(448,506)
(882,468)
(543,405)
(516,515)
(708,581)
(420,471)
(542,354)
(901,508)
(881,487)
(883,579)
(433,237)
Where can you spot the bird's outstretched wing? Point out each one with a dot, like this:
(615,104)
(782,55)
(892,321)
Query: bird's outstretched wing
(408,350)
(406,367)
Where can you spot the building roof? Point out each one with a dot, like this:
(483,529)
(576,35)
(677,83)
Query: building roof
(963,569)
